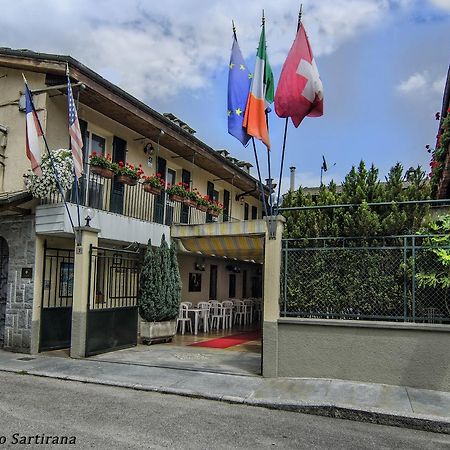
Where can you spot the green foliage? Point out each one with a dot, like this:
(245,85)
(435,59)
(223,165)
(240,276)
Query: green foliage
(361,186)
(440,153)
(160,284)
(437,258)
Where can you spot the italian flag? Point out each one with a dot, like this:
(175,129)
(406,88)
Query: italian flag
(260,96)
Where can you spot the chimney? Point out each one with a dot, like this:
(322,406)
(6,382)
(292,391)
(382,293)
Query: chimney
(292,187)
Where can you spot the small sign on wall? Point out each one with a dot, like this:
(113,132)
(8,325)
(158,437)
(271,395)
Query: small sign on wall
(27,272)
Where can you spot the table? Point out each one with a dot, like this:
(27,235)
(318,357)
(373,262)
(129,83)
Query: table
(197,312)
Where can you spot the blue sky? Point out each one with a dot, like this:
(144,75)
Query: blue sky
(382,62)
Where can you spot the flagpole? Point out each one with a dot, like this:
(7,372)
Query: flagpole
(299,23)
(263,197)
(77,194)
(49,153)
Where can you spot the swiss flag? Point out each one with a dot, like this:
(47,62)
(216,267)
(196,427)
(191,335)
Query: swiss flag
(300,91)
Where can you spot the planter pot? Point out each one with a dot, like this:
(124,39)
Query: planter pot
(176,198)
(102,171)
(202,208)
(152,189)
(213,213)
(125,179)
(189,202)
(158,331)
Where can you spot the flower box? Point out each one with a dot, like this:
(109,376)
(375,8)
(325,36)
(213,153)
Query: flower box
(152,189)
(190,202)
(202,208)
(213,212)
(176,198)
(102,171)
(126,179)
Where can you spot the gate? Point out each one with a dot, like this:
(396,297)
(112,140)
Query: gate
(56,298)
(112,311)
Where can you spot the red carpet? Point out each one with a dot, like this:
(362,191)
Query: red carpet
(230,341)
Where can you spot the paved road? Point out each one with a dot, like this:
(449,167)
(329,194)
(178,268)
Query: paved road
(108,417)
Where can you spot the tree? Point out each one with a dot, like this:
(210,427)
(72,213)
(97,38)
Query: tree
(361,186)
(160,284)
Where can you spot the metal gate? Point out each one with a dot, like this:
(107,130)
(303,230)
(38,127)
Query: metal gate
(112,313)
(56,298)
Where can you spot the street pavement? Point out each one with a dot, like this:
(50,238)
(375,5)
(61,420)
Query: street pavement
(376,403)
(105,417)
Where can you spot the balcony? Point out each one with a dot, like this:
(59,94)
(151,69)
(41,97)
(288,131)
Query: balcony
(132,201)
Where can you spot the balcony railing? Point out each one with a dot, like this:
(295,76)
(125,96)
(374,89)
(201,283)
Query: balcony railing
(132,201)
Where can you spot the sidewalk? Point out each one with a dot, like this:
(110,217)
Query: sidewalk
(376,403)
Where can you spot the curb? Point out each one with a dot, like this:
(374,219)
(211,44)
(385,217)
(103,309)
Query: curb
(433,424)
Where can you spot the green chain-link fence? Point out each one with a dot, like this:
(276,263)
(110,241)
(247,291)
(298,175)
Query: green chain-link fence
(362,278)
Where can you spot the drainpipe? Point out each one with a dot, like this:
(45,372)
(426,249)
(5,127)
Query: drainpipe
(292,187)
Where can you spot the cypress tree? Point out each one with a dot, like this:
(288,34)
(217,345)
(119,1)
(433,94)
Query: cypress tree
(159,288)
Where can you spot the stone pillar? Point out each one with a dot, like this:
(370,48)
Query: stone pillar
(37,294)
(87,236)
(271,310)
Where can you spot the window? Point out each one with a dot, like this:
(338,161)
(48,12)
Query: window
(246,207)
(226,205)
(95,187)
(254,212)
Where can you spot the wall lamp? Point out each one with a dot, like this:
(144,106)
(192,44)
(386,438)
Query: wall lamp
(148,148)
(200,267)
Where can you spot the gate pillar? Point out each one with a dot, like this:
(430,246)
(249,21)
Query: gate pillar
(87,236)
(271,294)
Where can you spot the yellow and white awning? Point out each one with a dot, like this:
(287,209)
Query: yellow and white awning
(243,248)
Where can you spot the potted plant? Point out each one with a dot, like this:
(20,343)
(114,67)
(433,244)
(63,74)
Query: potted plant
(203,202)
(128,173)
(215,209)
(153,184)
(46,185)
(177,192)
(160,293)
(191,198)
(102,165)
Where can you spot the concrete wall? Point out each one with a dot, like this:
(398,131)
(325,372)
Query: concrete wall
(19,234)
(415,355)
(16,162)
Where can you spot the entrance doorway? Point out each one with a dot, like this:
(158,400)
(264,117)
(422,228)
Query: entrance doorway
(213,283)
(4,260)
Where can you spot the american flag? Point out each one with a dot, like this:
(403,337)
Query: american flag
(76,141)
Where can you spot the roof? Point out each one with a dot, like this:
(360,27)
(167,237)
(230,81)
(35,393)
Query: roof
(129,111)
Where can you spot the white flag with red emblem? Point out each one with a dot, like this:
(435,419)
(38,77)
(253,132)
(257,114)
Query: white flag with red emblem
(300,91)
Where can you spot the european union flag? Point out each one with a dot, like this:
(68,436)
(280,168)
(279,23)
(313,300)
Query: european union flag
(239,79)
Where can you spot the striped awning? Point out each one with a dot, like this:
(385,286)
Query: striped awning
(243,248)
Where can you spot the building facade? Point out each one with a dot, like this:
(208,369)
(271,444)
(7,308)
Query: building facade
(219,257)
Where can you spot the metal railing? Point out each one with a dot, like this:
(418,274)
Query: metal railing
(373,278)
(110,195)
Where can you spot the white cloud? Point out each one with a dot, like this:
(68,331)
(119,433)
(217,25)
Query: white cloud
(443,4)
(157,49)
(421,83)
(414,83)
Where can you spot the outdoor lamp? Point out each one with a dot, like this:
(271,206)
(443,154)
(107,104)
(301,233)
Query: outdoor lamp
(88,217)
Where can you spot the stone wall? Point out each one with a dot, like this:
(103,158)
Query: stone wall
(19,233)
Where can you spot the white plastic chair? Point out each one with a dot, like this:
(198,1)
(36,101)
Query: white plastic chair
(204,314)
(183,318)
(215,314)
(248,307)
(189,304)
(227,312)
(239,312)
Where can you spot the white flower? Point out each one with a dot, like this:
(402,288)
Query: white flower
(46,185)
